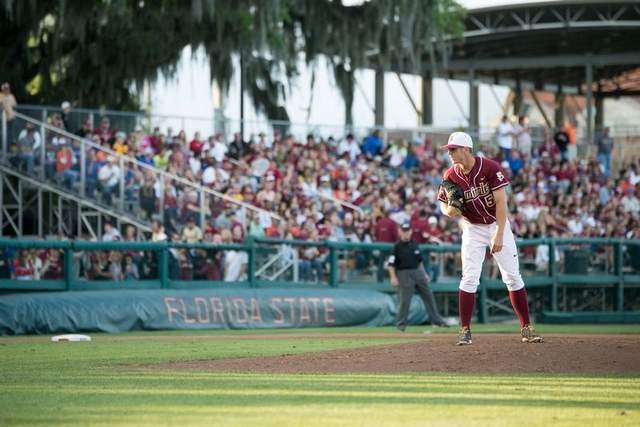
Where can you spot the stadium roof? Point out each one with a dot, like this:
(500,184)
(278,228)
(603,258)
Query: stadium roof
(550,43)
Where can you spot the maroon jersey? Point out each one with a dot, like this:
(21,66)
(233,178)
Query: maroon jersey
(478,186)
(386,230)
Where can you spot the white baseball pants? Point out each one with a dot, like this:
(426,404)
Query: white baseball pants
(475,240)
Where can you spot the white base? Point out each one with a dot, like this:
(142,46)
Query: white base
(71,338)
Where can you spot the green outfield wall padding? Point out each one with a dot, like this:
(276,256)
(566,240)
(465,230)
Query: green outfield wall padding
(591,317)
(222,308)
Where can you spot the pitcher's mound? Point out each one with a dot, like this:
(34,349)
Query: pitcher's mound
(489,353)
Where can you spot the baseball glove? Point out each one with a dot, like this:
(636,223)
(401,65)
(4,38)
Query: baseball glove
(455,195)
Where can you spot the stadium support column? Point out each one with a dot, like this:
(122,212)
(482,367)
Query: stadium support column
(589,100)
(379,95)
(517,99)
(241,96)
(599,111)
(427,99)
(473,103)
(559,112)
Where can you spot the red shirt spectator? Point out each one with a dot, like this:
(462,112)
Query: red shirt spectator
(420,228)
(386,230)
(104,132)
(196,144)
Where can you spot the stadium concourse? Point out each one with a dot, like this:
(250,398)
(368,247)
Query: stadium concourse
(393,180)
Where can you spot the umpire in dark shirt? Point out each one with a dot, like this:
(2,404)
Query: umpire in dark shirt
(407,274)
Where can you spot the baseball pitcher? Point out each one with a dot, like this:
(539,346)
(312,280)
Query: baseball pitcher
(473,188)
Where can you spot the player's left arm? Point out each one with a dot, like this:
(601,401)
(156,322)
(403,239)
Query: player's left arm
(500,198)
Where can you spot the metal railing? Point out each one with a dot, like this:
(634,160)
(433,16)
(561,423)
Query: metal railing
(41,162)
(598,269)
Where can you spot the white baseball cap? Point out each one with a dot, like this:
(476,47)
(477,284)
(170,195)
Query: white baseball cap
(458,139)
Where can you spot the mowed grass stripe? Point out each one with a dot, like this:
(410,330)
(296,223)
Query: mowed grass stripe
(559,396)
(509,328)
(175,379)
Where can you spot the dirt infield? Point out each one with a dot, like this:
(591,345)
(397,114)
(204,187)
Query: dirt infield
(490,353)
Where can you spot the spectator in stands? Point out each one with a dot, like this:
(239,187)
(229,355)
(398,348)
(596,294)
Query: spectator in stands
(385,231)
(115,266)
(6,262)
(191,233)
(8,103)
(147,197)
(185,264)
(372,145)
(64,115)
(157,231)
(196,145)
(149,270)
(65,160)
(561,138)
(516,162)
(237,148)
(349,147)
(631,203)
(604,143)
(311,260)
(235,261)
(120,145)
(255,228)
(105,132)
(109,177)
(523,137)
(219,149)
(396,155)
(24,267)
(131,271)
(101,266)
(85,129)
(505,133)
(27,144)
(110,234)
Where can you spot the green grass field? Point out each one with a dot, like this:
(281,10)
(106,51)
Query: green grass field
(105,383)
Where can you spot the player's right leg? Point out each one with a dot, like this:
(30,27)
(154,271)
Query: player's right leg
(475,239)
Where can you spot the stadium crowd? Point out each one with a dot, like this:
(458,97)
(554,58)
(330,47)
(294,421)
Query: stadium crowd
(388,181)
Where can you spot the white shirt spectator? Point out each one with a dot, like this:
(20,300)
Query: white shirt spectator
(159,236)
(235,263)
(524,138)
(397,155)
(109,175)
(631,204)
(400,217)
(113,235)
(575,226)
(219,151)
(530,212)
(542,257)
(349,146)
(309,189)
(209,175)
(222,175)
(265,219)
(36,138)
(195,165)
(505,138)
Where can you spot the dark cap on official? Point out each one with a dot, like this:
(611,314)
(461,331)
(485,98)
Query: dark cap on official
(405,226)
